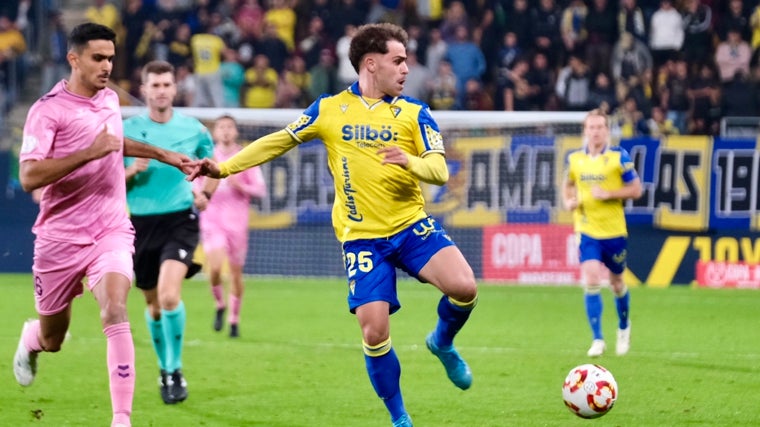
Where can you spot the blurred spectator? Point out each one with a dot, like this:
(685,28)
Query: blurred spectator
(666,33)
(247,47)
(602,35)
(602,94)
(134,19)
(659,125)
(754,24)
(100,12)
(418,42)
(507,55)
(736,18)
(345,12)
(314,42)
(293,89)
(486,36)
(186,86)
(249,18)
(346,72)
(455,17)
(516,90)
(261,84)
(738,98)
(572,26)
(466,61)
(518,20)
(476,97)
(541,79)
(233,78)
(544,26)
(627,120)
(630,58)
(436,49)
(573,85)
(207,51)
(675,96)
(324,78)
(443,88)
(697,20)
(732,56)
(631,19)
(179,47)
(281,17)
(704,92)
(274,48)
(12,49)
(53,49)
(430,12)
(416,84)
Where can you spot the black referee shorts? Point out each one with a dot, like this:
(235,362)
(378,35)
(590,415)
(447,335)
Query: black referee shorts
(163,237)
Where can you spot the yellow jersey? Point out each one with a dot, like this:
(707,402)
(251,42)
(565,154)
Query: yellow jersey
(207,53)
(610,170)
(372,200)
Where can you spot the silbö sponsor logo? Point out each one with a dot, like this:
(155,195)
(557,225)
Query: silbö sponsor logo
(366,133)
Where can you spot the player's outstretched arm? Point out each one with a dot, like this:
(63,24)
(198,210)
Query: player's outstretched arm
(34,174)
(133,148)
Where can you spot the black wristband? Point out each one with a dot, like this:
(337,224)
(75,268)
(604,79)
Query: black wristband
(207,194)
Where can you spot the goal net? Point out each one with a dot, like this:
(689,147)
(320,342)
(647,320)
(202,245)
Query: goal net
(501,204)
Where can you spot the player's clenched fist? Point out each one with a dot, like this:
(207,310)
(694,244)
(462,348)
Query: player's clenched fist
(104,144)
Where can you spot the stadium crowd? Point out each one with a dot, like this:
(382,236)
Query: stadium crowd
(659,67)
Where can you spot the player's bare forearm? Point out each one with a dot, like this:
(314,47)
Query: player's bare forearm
(569,195)
(34,174)
(138,149)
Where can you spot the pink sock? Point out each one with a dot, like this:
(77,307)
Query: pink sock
(234,316)
(218,291)
(31,337)
(121,368)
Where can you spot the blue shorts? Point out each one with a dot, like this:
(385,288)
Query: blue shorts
(611,252)
(371,263)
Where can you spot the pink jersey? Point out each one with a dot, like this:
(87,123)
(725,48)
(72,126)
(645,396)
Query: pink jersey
(89,202)
(228,209)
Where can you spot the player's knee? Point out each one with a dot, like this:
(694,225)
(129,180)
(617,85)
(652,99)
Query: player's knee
(113,312)
(374,337)
(466,289)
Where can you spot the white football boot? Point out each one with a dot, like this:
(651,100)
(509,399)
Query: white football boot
(24,361)
(597,348)
(623,340)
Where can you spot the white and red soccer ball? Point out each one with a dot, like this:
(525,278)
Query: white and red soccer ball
(589,391)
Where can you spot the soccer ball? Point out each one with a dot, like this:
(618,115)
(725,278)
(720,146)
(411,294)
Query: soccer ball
(589,391)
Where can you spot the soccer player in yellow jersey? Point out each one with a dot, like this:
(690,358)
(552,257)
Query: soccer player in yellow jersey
(380,145)
(598,179)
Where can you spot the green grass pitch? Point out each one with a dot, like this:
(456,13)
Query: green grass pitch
(695,360)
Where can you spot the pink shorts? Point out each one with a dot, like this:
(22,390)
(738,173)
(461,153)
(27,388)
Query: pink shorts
(234,245)
(60,267)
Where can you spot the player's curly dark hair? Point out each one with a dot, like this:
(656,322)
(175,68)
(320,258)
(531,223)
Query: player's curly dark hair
(84,33)
(374,38)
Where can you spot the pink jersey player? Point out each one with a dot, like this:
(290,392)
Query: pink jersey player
(73,150)
(224,223)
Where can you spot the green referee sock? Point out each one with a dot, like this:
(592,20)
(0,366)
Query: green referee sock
(174,334)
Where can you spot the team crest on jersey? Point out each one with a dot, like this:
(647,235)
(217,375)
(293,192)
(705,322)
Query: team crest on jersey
(396,110)
(343,107)
(299,123)
(433,137)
